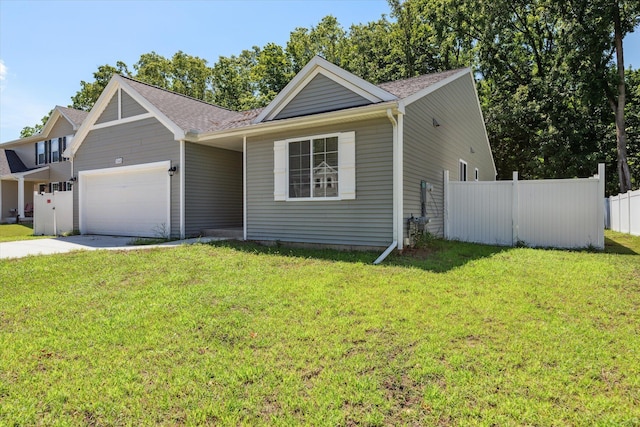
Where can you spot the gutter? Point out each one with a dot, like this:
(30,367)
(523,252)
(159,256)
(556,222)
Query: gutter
(373,110)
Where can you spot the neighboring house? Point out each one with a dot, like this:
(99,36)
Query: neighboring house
(332,160)
(36,163)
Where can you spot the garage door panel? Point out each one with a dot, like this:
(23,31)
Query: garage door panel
(127,202)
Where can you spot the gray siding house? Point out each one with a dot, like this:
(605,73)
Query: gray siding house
(332,160)
(37,164)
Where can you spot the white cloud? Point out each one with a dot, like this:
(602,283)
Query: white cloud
(3,74)
(3,70)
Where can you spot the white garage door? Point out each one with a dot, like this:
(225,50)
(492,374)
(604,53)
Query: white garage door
(125,201)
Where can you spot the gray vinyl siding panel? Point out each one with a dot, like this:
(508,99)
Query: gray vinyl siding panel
(27,154)
(213,188)
(365,221)
(321,94)
(60,129)
(138,142)
(59,171)
(110,113)
(130,107)
(429,150)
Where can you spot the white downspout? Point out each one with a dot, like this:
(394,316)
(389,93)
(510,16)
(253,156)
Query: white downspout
(386,252)
(394,123)
(182,195)
(398,194)
(244,188)
(396,187)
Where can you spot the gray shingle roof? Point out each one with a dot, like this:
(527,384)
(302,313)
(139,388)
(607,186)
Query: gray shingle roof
(407,87)
(11,163)
(76,116)
(186,112)
(191,114)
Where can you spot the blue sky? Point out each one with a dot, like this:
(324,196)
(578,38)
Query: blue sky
(48,47)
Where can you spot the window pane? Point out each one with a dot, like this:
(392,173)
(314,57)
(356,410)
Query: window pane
(332,159)
(318,159)
(332,144)
(40,159)
(294,163)
(55,153)
(305,147)
(299,170)
(318,145)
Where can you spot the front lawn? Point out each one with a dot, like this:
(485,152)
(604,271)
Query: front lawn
(13,232)
(235,334)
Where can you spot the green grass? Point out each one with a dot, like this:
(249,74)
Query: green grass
(13,232)
(142,241)
(236,334)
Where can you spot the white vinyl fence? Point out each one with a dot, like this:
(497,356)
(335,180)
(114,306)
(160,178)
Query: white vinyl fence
(624,212)
(563,213)
(52,213)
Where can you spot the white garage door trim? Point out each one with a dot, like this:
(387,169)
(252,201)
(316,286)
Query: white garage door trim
(83,175)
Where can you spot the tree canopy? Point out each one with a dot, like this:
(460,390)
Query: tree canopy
(550,73)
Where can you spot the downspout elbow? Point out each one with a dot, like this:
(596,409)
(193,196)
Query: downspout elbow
(391,118)
(386,253)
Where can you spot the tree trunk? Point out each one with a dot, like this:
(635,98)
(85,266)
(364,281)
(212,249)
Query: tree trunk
(618,107)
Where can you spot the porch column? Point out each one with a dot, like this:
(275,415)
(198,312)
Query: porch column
(21,197)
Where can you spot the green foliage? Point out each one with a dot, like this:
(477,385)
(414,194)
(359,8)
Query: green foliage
(90,91)
(28,130)
(233,334)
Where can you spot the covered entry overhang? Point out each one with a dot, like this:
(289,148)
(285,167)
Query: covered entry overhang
(33,175)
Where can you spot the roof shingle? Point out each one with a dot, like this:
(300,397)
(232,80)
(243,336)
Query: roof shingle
(76,116)
(407,87)
(193,115)
(11,163)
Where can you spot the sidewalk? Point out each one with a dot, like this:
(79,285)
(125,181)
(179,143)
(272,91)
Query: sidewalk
(59,245)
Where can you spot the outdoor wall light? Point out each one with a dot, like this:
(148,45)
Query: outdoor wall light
(73,179)
(172,170)
(435,123)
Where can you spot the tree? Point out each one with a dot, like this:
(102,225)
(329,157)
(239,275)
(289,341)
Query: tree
(90,92)
(29,130)
(593,46)
(327,39)
(232,85)
(191,76)
(183,73)
(547,77)
(371,53)
(154,69)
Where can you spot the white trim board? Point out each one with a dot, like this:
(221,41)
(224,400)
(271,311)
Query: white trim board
(317,66)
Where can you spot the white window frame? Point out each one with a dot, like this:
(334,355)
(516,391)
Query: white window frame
(346,168)
(42,144)
(56,151)
(463,166)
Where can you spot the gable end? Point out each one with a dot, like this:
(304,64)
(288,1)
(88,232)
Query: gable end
(320,95)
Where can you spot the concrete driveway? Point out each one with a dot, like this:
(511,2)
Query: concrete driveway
(59,245)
